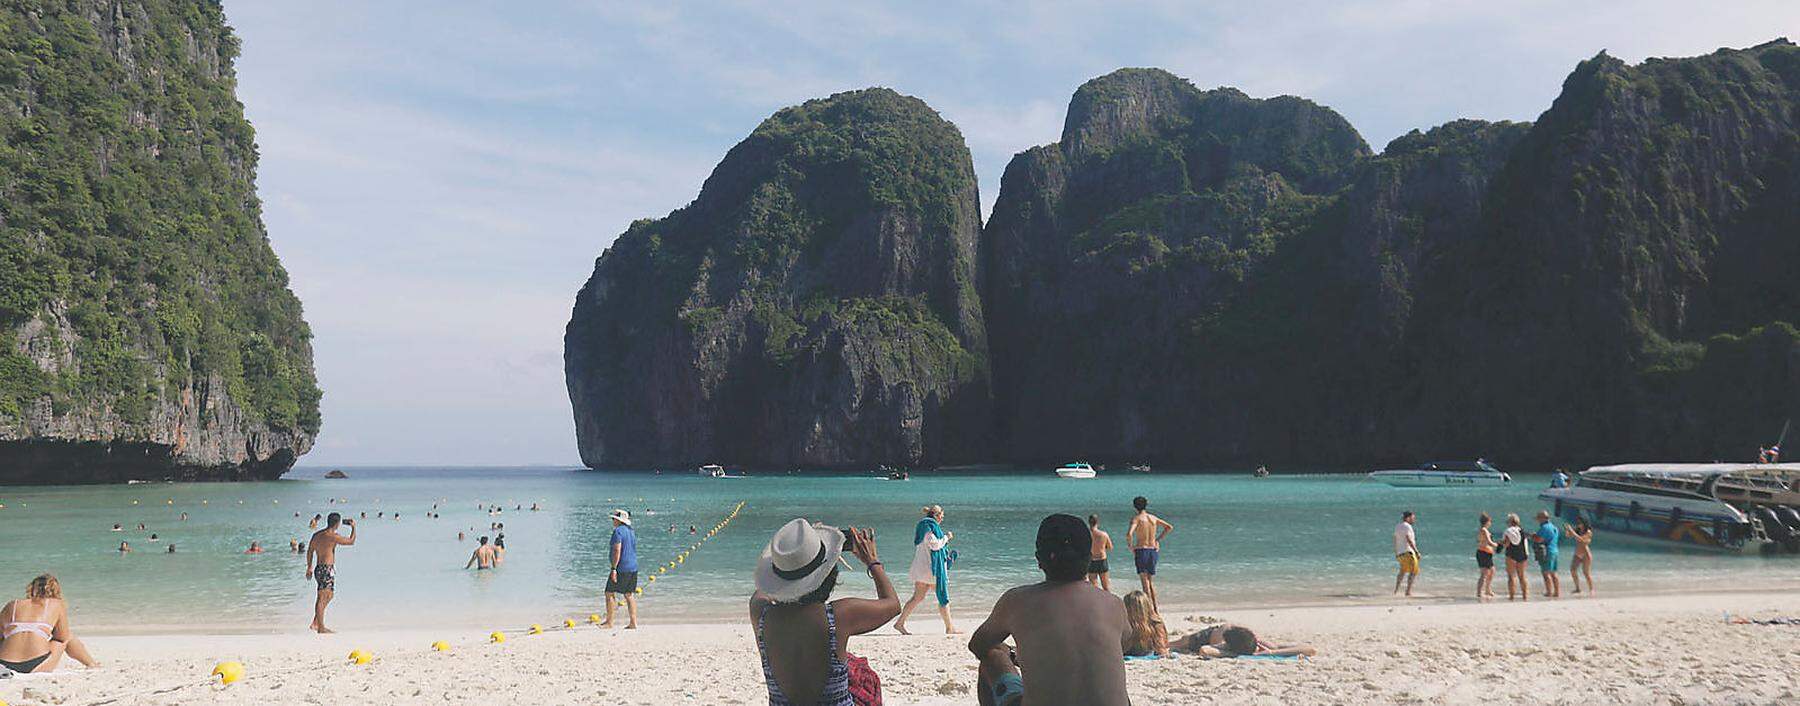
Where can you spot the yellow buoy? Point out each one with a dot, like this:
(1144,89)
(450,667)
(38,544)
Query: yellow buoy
(497,636)
(652,579)
(640,590)
(361,657)
(568,622)
(537,629)
(228,672)
(593,617)
(441,646)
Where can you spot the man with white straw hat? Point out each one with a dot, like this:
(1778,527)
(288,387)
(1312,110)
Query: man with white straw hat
(792,611)
(623,578)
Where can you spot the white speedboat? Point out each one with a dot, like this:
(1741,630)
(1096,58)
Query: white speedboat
(1443,474)
(712,470)
(1078,469)
(1722,506)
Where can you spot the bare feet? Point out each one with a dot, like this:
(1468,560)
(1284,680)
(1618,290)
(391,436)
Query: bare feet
(632,626)
(322,630)
(902,628)
(606,624)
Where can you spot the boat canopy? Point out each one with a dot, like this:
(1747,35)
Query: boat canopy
(1697,470)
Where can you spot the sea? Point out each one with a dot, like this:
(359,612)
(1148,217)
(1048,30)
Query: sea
(1294,538)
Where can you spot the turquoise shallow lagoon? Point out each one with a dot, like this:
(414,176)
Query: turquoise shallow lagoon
(1289,539)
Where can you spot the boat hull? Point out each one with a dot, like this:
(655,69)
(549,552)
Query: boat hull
(1692,523)
(1074,473)
(1438,479)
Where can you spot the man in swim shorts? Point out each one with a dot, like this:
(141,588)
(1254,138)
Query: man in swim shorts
(1097,568)
(321,563)
(485,556)
(1147,532)
(1069,633)
(1406,551)
(621,582)
(1547,537)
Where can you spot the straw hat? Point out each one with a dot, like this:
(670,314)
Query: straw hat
(622,516)
(797,560)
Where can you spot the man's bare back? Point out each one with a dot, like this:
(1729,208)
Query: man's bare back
(1102,544)
(1144,531)
(324,544)
(1071,641)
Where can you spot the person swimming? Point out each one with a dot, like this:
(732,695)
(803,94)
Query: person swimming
(38,644)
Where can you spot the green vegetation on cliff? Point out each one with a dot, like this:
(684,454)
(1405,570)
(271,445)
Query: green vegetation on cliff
(128,215)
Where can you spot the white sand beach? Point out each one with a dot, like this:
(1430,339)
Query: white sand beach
(1674,649)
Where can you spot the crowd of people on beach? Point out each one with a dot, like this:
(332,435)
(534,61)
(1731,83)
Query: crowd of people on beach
(1516,547)
(1067,635)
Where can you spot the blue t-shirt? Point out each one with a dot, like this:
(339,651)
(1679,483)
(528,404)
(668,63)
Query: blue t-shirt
(626,541)
(1551,535)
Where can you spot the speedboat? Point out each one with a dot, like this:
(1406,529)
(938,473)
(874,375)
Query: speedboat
(1140,468)
(1443,474)
(712,470)
(1261,472)
(1078,469)
(1732,507)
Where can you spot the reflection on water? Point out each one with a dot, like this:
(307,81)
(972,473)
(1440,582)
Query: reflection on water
(1237,540)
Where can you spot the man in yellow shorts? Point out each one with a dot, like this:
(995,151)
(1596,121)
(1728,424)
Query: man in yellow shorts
(1406,549)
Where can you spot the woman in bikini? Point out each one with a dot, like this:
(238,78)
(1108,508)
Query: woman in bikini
(1147,634)
(1484,559)
(1513,541)
(1584,555)
(1228,640)
(34,630)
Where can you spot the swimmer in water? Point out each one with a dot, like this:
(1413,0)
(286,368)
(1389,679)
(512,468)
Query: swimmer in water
(485,556)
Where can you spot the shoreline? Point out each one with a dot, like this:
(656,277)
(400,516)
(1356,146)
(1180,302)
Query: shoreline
(1609,649)
(966,613)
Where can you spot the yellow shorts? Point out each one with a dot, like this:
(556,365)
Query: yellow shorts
(1409,563)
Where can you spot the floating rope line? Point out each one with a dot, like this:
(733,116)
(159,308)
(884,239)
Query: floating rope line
(681,556)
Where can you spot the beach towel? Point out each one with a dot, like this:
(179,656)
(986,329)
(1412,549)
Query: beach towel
(1273,658)
(865,684)
(1148,657)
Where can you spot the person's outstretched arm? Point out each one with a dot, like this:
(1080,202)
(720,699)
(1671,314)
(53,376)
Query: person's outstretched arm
(347,541)
(993,631)
(856,616)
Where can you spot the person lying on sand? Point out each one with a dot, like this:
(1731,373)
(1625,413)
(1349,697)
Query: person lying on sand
(1228,640)
(35,632)
(1069,633)
(791,612)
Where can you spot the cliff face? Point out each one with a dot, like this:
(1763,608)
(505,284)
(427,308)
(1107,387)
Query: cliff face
(146,327)
(1202,278)
(1112,254)
(1644,230)
(816,305)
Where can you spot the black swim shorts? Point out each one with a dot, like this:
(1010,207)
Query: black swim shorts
(624,582)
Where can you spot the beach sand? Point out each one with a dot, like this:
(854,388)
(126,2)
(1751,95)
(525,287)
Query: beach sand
(1642,649)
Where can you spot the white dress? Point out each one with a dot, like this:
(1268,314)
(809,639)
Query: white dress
(921,565)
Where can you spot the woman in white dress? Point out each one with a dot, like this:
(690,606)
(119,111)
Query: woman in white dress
(930,567)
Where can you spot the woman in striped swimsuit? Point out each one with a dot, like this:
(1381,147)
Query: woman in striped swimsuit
(802,635)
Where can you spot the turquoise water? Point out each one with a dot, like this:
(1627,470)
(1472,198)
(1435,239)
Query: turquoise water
(1238,541)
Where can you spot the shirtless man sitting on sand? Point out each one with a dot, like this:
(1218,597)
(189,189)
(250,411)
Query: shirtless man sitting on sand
(1147,532)
(323,570)
(1069,633)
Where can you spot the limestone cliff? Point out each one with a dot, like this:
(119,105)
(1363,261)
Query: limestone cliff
(146,326)
(816,305)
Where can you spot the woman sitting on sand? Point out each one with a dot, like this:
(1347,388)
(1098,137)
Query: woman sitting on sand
(803,638)
(1513,541)
(1228,640)
(34,630)
(1148,635)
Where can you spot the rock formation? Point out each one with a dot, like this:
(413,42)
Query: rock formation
(146,327)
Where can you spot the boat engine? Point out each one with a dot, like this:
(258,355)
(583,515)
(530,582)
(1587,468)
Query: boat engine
(1777,530)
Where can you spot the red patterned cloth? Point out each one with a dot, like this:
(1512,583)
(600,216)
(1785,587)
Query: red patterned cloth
(865,684)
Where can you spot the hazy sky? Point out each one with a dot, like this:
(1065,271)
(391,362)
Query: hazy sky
(438,177)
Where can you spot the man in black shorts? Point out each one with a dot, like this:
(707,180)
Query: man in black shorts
(321,563)
(1097,569)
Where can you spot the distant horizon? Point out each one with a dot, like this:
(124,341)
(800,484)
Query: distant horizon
(438,191)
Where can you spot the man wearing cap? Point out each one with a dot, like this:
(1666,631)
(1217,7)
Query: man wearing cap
(622,579)
(1070,634)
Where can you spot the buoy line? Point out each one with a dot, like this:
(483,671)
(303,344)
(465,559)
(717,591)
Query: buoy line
(230,672)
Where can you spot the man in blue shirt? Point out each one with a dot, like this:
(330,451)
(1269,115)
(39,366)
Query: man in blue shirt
(1559,479)
(1547,536)
(622,579)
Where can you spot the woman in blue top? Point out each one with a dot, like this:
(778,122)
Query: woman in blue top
(930,567)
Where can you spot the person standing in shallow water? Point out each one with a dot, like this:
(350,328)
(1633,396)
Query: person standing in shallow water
(1406,551)
(321,565)
(621,581)
(1545,541)
(1484,559)
(930,567)
(1583,561)
(1099,573)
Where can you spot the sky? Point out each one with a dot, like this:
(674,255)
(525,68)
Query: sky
(438,177)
